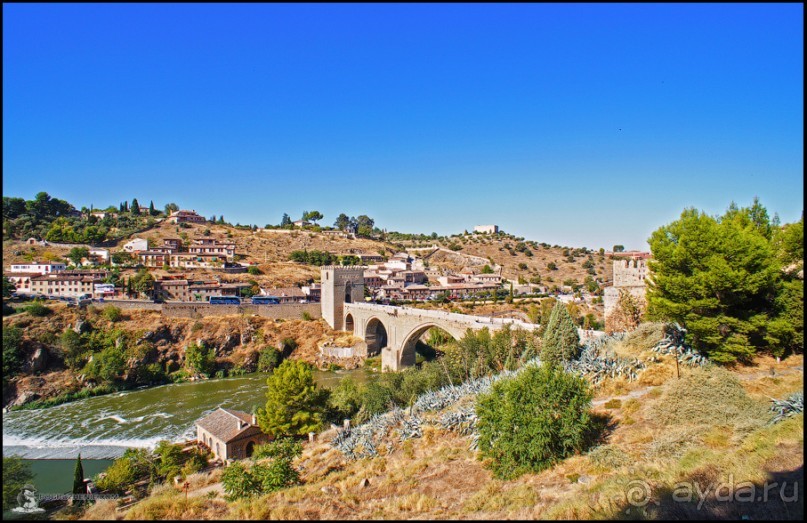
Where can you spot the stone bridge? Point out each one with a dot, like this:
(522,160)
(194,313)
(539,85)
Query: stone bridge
(394,331)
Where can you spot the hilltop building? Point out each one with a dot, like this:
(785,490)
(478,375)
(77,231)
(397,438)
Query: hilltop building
(487,229)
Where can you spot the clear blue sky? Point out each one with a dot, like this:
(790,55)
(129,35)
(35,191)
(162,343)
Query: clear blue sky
(581,125)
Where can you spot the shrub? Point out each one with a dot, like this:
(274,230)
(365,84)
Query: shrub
(134,465)
(254,270)
(306,316)
(608,457)
(613,404)
(528,423)
(238,482)
(561,341)
(276,475)
(12,346)
(112,313)
(268,359)
(37,309)
(16,473)
(284,448)
(200,358)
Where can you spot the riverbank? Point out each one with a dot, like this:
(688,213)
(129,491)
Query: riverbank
(102,427)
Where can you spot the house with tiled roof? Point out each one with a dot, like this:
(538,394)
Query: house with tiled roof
(230,434)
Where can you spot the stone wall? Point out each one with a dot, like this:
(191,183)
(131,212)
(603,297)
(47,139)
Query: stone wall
(130,305)
(288,311)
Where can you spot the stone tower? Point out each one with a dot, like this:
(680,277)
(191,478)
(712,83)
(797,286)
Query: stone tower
(340,285)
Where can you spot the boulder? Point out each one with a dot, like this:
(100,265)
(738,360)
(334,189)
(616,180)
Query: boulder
(39,360)
(26,397)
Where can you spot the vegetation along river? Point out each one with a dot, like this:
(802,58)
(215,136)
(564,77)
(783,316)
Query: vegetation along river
(104,426)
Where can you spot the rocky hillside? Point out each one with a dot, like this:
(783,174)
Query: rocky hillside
(155,340)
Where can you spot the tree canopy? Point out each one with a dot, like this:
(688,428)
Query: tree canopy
(722,279)
(294,403)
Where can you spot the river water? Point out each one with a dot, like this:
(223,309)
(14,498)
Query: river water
(103,427)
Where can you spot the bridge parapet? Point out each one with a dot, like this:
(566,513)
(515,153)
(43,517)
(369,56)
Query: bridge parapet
(476,321)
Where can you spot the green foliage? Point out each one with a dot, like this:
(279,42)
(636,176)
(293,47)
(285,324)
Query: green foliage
(200,358)
(530,422)
(142,282)
(38,309)
(8,287)
(720,278)
(78,477)
(106,366)
(487,269)
(268,359)
(16,473)
(349,259)
(12,352)
(284,448)
(238,482)
(294,403)
(314,257)
(134,465)
(306,316)
(112,313)
(254,270)
(345,400)
(77,253)
(552,266)
(561,342)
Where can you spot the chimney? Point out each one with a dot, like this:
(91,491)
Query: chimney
(255,420)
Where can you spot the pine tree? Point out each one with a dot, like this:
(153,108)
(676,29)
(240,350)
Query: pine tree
(221,219)
(121,207)
(125,206)
(561,341)
(78,477)
(135,207)
(294,403)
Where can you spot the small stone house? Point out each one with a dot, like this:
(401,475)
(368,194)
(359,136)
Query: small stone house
(230,434)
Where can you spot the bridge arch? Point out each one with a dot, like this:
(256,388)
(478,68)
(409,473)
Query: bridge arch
(375,335)
(407,354)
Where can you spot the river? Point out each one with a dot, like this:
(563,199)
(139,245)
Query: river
(103,427)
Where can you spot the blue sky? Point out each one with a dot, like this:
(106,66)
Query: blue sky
(572,124)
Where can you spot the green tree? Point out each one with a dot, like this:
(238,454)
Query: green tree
(719,278)
(142,282)
(286,220)
(313,216)
(364,225)
(12,352)
(200,358)
(487,269)
(619,248)
(171,207)
(152,212)
(16,473)
(135,207)
(77,253)
(294,404)
(532,421)
(78,477)
(8,287)
(561,342)
(342,222)
(268,359)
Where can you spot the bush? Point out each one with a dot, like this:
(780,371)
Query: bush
(201,359)
(306,316)
(112,313)
(561,340)
(37,309)
(16,473)
(528,423)
(134,465)
(12,347)
(254,270)
(238,482)
(268,359)
(284,448)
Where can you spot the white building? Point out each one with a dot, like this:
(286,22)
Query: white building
(39,268)
(136,245)
(487,229)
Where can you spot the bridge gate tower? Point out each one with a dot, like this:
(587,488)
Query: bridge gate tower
(340,285)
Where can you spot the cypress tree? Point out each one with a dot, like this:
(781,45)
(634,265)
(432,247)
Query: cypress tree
(78,477)
(151,208)
(561,340)
(135,207)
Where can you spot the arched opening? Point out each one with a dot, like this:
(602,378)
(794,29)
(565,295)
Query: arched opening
(250,449)
(376,336)
(425,340)
(349,325)
(348,291)
(218,451)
